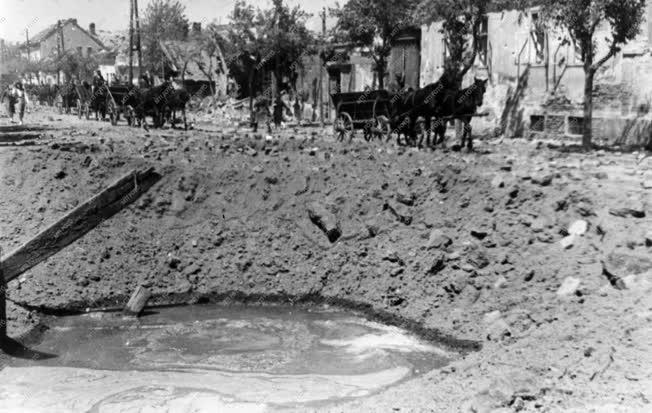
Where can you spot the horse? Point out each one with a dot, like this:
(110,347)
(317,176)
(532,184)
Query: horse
(68,95)
(98,99)
(413,107)
(460,105)
(177,101)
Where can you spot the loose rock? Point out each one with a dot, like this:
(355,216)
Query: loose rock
(498,182)
(438,239)
(438,263)
(635,210)
(251,151)
(399,211)
(567,242)
(609,271)
(529,276)
(569,287)
(538,225)
(578,228)
(543,180)
(480,233)
(405,197)
(325,220)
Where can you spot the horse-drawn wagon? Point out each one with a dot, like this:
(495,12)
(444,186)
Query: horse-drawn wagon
(120,101)
(364,111)
(412,113)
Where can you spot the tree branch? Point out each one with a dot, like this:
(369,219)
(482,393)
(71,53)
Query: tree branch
(469,63)
(613,49)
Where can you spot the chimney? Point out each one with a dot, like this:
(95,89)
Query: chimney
(196,28)
(91,29)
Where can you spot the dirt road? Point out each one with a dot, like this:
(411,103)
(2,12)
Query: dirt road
(536,257)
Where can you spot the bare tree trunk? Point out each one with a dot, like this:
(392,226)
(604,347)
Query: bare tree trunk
(251,97)
(380,68)
(588,109)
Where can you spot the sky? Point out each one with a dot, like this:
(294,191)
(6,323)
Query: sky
(35,15)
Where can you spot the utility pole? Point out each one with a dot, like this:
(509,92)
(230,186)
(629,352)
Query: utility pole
(277,62)
(59,50)
(321,66)
(134,41)
(276,81)
(27,43)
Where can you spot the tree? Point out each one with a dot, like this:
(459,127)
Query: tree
(269,40)
(163,20)
(461,22)
(75,65)
(203,51)
(245,47)
(210,44)
(288,39)
(582,19)
(373,24)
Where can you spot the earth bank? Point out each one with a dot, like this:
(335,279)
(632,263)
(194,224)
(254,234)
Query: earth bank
(537,257)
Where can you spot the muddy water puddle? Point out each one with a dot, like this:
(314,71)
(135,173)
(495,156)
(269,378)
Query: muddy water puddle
(213,358)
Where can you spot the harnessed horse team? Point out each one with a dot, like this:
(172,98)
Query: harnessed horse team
(412,111)
(161,102)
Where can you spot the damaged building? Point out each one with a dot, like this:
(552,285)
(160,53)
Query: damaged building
(537,79)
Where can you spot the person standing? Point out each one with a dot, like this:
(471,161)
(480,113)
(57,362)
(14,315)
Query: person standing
(20,100)
(8,94)
(98,81)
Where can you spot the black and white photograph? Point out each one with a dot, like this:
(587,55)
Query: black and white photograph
(329,206)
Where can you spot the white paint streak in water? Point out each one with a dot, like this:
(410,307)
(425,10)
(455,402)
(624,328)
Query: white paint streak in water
(385,338)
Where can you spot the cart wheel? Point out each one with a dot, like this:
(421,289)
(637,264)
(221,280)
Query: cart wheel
(348,125)
(380,107)
(343,126)
(383,128)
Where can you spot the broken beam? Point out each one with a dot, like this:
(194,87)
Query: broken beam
(78,222)
(137,301)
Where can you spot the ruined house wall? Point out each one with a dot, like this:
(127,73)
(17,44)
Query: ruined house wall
(73,39)
(432,53)
(623,86)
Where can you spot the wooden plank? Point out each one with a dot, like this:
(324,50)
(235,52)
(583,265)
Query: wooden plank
(137,301)
(78,222)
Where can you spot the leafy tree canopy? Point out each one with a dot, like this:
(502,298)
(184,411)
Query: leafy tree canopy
(373,24)
(163,20)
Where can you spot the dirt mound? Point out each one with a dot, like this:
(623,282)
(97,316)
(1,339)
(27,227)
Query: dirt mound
(467,244)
